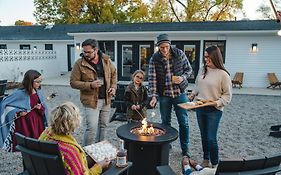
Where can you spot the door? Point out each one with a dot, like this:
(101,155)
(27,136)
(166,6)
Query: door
(70,56)
(132,56)
(192,52)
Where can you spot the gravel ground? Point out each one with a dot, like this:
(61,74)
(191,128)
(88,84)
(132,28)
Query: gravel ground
(243,132)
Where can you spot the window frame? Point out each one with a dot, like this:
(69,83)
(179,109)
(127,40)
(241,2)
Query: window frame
(48,45)
(107,43)
(3,46)
(25,47)
(221,44)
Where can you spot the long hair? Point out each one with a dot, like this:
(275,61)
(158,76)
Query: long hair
(28,79)
(216,57)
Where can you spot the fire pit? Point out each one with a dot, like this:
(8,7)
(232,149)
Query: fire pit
(147,149)
(147,130)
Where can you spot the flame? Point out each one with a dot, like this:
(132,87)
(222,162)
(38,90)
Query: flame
(145,128)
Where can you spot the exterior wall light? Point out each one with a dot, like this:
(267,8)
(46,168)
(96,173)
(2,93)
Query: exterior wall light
(279,32)
(35,48)
(254,48)
(78,46)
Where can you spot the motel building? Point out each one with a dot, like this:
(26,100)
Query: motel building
(251,47)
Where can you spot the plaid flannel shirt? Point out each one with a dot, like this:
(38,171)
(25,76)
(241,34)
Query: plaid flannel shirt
(170,90)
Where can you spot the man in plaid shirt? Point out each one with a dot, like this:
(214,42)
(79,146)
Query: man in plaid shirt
(169,70)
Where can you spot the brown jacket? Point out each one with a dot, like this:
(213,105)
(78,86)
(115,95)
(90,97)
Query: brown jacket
(136,97)
(83,74)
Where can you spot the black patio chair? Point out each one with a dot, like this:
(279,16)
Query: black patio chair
(120,104)
(44,158)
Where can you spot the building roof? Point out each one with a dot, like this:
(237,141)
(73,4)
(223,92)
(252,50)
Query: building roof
(60,32)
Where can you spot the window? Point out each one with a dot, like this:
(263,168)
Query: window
(219,43)
(3,46)
(48,46)
(107,47)
(24,47)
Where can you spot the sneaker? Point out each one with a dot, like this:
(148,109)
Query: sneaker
(195,165)
(185,166)
(206,164)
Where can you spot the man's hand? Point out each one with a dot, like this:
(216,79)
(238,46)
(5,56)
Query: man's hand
(153,101)
(177,79)
(111,91)
(96,84)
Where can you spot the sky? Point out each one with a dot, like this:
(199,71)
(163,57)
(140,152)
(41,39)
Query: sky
(13,10)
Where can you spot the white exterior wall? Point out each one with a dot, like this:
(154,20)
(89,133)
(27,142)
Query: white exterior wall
(49,68)
(254,65)
(238,56)
(17,62)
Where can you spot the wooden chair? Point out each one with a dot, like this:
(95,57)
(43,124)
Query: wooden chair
(44,158)
(238,79)
(273,80)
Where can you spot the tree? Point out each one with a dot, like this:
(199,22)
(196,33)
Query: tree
(265,10)
(123,11)
(82,11)
(209,10)
(23,23)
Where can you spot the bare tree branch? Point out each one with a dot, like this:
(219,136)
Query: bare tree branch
(222,10)
(208,11)
(182,4)
(172,7)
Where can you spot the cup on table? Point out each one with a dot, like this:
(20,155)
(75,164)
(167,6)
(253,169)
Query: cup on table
(101,80)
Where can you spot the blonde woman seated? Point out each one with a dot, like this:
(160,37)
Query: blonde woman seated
(63,120)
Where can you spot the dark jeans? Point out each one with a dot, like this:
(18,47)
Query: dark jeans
(208,119)
(166,104)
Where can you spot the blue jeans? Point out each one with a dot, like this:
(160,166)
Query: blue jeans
(208,119)
(166,104)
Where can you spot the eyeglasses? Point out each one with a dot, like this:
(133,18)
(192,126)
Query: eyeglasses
(37,81)
(141,78)
(88,52)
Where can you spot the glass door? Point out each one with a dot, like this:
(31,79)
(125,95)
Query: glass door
(192,52)
(133,55)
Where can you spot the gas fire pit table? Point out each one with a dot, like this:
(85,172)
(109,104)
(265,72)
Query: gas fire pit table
(147,151)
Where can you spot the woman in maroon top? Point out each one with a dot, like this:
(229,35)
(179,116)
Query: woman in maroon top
(31,121)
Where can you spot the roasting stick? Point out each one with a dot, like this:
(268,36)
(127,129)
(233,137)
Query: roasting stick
(48,98)
(140,114)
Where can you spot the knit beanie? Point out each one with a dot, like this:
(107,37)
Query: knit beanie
(163,38)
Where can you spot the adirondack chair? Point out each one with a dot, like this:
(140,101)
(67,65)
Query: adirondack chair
(273,80)
(120,104)
(44,158)
(264,165)
(238,79)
